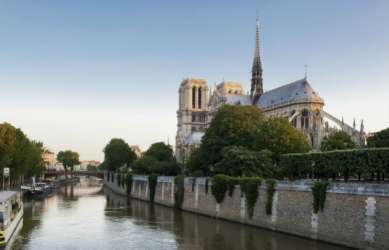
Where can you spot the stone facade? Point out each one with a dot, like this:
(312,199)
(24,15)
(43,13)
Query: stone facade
(192,115)
(355,215)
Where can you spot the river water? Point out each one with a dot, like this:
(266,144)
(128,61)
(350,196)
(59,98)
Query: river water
(87,216)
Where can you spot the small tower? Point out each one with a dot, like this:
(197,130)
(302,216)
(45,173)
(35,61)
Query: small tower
(256,71)
(192,113)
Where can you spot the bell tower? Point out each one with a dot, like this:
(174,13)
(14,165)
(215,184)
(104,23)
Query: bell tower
(192,112)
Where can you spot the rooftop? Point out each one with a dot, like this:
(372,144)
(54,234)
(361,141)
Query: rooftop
(296,91)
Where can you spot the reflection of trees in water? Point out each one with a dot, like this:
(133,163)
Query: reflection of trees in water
(193,231)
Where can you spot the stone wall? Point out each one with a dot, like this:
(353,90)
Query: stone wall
(355,214)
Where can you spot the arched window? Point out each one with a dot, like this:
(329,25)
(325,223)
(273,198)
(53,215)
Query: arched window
(194,97)
(199,98)
(305,119)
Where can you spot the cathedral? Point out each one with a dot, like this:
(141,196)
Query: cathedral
(297,101)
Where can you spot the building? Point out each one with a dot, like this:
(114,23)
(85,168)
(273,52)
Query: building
(136,149)
(49,159)
(297,101)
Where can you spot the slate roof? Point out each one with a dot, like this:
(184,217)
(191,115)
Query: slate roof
(298,91)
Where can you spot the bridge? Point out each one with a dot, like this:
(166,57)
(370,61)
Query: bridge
(48,174)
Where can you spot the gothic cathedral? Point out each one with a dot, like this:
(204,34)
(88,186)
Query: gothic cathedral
(297,101)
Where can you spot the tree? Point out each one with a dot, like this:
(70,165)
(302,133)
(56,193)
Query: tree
(245,126)
(231,126)
(379,139)
(338,140)
(17,152)
(68,159)
(143,164)
(158,159)
(239,161)
(117,153)
(160,151)
(280,137)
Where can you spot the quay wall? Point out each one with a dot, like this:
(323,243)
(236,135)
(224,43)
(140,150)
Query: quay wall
(355,214)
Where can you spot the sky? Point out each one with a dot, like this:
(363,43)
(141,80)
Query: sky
(74,74)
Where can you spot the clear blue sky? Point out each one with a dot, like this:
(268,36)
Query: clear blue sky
(74,74)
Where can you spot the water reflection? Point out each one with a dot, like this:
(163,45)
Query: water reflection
(85,216)
(192,231)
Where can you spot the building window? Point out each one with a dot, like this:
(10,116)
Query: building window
(194,97)
(294,122)
(199,98)
(305,119)
(193,117)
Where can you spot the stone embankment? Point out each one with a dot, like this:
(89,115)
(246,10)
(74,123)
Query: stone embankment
(355,214)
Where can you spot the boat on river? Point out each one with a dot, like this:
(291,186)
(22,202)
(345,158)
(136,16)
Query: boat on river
(11,214)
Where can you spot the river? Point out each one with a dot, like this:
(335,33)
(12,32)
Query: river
(86,216)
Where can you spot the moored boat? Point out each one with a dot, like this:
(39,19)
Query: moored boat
(11,214)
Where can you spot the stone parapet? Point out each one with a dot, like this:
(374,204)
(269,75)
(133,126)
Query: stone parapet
(354,215)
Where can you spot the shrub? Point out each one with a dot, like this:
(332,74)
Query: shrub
(179,191)
(231,185)
(129,183)
(206,185)
(193,183)
(331,163)
(319,191)
(118,179)
(249,186)
(219,187)
(270,188)
(153,180)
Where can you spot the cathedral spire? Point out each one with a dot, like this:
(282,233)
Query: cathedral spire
(256,71)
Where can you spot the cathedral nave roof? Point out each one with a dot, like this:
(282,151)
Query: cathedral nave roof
(296,91)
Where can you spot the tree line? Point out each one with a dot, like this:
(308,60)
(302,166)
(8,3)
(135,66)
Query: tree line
(20,154)
(157,159)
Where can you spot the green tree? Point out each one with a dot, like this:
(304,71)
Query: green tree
(68,159)
(117,153)
(160,151)
(379,139)
(337,140)
(158,159)
(280,137)
(143,164)
(245,126)
(239,161)
(231,126)
(19,153)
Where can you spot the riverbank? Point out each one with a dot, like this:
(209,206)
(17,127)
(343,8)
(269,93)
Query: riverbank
(355,214)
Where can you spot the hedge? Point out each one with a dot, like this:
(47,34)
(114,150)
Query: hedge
(331,164)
